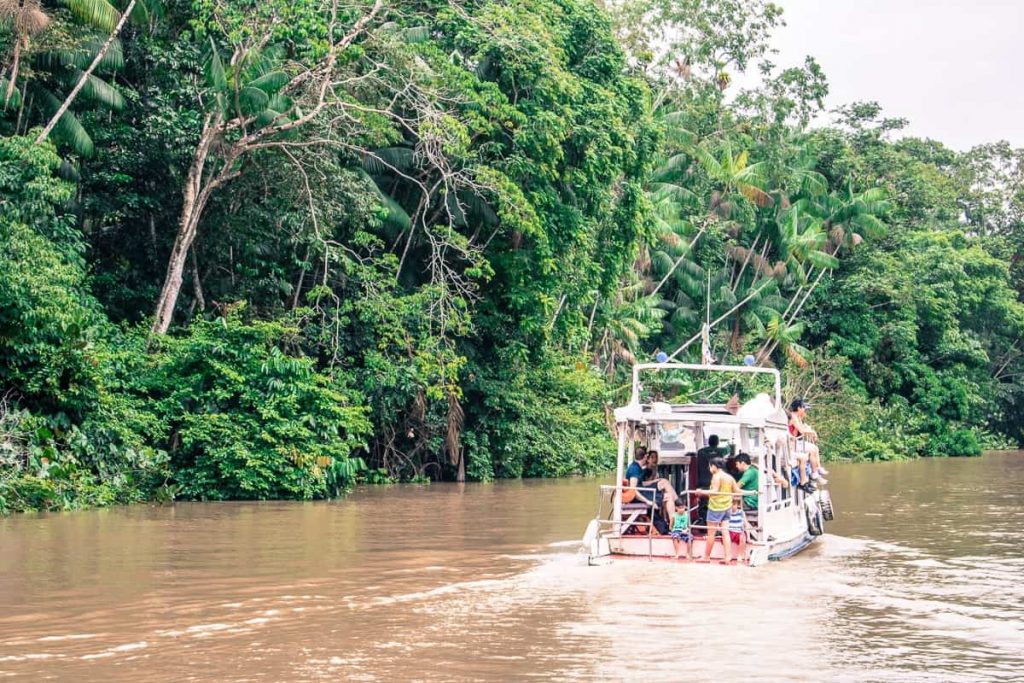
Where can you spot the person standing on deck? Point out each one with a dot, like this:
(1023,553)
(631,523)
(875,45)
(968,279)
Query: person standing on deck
(719,508)
(704,457)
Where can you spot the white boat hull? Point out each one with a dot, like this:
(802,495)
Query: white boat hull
(661,547)
(791,532)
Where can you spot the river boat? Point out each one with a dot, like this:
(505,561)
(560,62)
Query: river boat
(787,519)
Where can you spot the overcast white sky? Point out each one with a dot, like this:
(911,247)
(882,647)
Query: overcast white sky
(954,68)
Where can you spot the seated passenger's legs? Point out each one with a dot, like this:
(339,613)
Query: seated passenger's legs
(814,455)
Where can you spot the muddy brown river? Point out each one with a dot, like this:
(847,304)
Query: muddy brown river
(920,578)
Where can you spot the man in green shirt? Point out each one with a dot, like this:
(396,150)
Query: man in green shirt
(750,480)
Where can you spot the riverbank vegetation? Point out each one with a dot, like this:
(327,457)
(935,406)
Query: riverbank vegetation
(266,250)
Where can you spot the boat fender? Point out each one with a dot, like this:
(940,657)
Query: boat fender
(825,503)
(815,523)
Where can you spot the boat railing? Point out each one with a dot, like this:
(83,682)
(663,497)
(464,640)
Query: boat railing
(649,525)
(626,524)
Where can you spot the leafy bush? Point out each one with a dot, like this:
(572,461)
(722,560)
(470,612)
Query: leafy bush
(545,420)
(952,440)
(247,417)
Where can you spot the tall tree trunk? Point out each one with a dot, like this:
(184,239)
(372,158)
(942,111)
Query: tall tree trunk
(194,198)
(88,72)
(735,341)
(679,260)
(739,276)
(14,71)
(297,294)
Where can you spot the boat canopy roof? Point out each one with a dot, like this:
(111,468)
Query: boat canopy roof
(761,411)
(696,412)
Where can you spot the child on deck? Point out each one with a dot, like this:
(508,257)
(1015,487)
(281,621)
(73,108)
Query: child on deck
(737,529)
(681,532)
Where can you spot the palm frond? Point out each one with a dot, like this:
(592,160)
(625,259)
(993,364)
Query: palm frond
(708,161)
(753,174)
(820,259)
(69,128)
(279,102)
(14,100)
(252,100)
(99,91)
(270,82)
(870,226)
(756,195)
(98,13)
(479,207)
(269,116)
(215,75)
(416,34)
(660,191)
(673,165)
(813,183)
(397,216)
(80,56)
(381,161)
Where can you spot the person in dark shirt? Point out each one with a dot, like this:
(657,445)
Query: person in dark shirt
(704,456)
(664,498)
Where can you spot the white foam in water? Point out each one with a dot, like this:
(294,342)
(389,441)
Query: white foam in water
(72,636)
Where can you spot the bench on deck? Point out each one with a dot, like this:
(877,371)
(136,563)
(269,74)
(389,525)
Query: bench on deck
(632,512)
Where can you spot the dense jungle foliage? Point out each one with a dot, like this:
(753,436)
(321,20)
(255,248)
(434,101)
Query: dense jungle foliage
(269,249)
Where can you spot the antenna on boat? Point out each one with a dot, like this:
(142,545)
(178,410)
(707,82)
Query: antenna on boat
(705,332)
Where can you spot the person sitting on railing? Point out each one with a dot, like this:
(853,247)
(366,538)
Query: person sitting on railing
(719,507)
(801,430)
(664,496)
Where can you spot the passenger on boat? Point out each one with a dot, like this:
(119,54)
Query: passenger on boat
(749,480)
(704,456)
(800,429)
(651,468)
(681,533)
(719,507)
(731,468)
(738,529)
(664,496)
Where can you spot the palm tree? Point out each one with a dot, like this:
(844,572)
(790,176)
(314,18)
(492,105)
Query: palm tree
(786,337)
(735,177)
(25,19)
(801,240)
(848,217)
(625,322)
(64,72)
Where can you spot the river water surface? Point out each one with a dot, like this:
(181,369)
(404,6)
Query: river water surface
(918,579)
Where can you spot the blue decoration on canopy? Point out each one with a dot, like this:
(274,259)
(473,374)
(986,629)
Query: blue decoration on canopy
(662,357)
(748,360)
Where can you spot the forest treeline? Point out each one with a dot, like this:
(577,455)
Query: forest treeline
(270,249)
